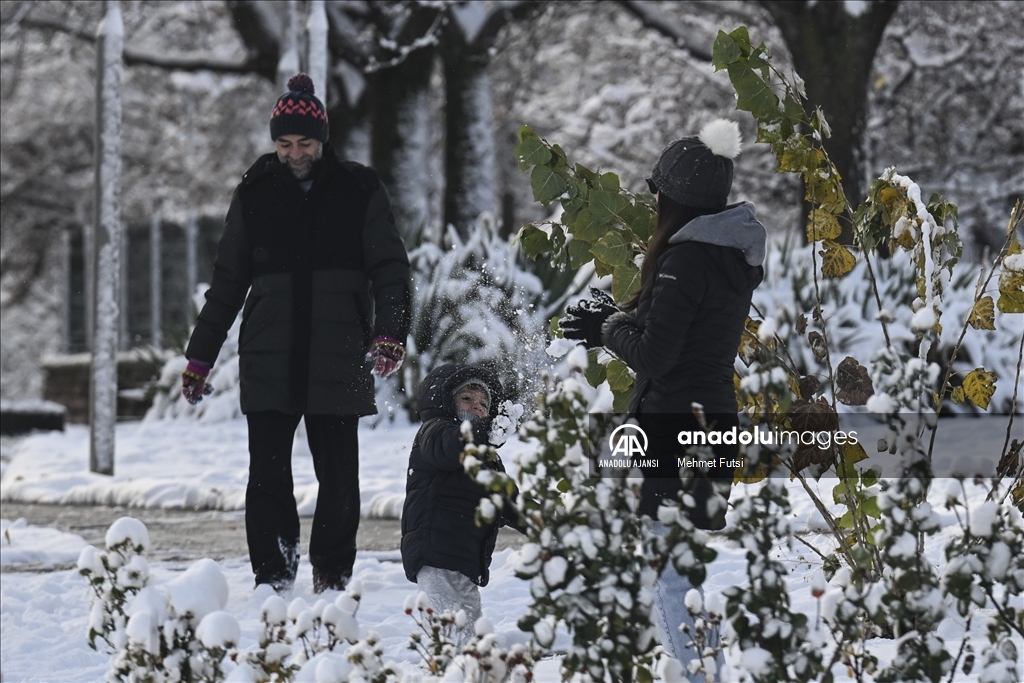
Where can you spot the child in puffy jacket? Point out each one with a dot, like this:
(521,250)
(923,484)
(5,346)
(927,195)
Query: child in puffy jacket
(443,549)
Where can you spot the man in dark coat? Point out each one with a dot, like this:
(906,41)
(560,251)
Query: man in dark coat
(443,549)
(311,248)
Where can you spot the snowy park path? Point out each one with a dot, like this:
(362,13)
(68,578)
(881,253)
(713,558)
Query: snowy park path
(186,535)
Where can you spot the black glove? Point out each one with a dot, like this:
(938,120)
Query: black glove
(482,430)
(584,320)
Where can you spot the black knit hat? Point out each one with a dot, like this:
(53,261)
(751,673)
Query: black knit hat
(697,171)
(299,112)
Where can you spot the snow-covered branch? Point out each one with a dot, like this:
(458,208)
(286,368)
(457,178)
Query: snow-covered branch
(653,16)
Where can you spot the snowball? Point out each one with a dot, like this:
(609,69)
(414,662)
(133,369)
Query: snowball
(924,319)
(757,661)
(766,330)
(544,634)
(818,583)
(559,347)
(274,611)
(296,607)
(694,601)
(218,629)
(342,622)
(349,604)
(578,359)
(142,630)
(199,590)
(127,528)
(983,519)
(483,626)
(998,561)
(90,560)
(554,571)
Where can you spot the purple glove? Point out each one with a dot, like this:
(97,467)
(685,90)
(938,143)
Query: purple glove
(387,354)
(193,381)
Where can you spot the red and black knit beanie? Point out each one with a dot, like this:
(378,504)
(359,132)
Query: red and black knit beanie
(299,112)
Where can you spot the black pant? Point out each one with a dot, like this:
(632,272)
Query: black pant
(271,517)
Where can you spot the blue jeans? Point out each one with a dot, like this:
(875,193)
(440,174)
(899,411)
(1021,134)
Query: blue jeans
(670,612)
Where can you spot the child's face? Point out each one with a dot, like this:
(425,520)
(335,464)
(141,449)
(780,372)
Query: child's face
(472,400)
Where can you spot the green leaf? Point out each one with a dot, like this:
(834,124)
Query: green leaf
(619,379)
(839,493)
(643,675)
(547,184)
(602,269)
(625,282)
(534,240)
(605,205)
(725,51)
(753,93)
(742,38)
(596,372)
(610,182)
(846,521)
(585,227)
(553,327)
(563,485)
(869,478)
(614,248)
(620,402)
(870,507)
(579,253)
(532,152)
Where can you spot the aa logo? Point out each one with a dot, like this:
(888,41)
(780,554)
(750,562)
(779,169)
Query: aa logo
(629,441)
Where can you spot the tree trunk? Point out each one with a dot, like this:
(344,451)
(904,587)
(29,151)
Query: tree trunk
(400,146)
(470,174)
(833,50)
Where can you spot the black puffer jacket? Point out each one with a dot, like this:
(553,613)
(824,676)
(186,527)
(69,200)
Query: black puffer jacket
(325,271)
(438,519)
(682,340)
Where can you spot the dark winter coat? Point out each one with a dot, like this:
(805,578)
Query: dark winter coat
(682,339)
(325,271)
(438,519)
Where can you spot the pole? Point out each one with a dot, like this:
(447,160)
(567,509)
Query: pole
(106,254)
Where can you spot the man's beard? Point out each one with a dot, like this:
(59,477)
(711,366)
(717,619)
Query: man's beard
(307,170)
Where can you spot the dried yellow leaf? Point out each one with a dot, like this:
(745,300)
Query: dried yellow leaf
(821,225)
(983,315)
(837,260)
(979,386)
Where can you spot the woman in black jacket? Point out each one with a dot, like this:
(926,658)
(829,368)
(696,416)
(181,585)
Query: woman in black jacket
(680,333)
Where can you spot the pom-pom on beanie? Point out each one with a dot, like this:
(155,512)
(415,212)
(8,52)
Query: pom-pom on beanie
(299,112)
(697,171)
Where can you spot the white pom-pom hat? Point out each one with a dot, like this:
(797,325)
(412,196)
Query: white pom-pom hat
(697,171)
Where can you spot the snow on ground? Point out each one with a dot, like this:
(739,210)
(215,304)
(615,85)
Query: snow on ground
(44,615)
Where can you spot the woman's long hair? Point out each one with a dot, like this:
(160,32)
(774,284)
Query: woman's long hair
(671,216)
